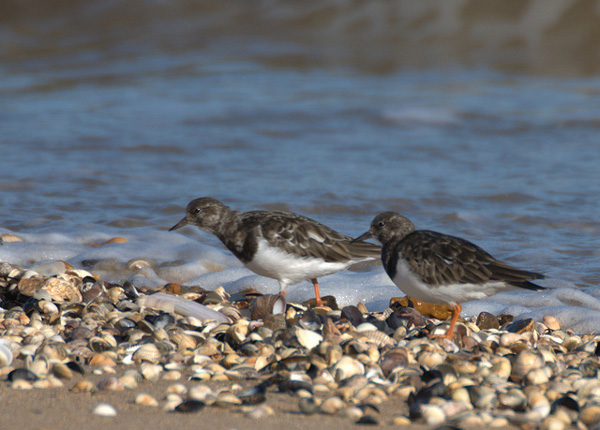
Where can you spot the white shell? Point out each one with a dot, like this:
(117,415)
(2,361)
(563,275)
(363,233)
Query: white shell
(308,338)
(6,354)
(104,410)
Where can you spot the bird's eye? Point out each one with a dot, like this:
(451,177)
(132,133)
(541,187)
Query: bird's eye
(195,210)
(381,224)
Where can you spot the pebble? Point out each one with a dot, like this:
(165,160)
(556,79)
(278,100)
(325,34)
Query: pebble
(104,410)
(145,399)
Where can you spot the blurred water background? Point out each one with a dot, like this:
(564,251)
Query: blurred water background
(475,118)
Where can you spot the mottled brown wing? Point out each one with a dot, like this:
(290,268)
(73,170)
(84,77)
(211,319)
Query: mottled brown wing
(441,259)
(305,237)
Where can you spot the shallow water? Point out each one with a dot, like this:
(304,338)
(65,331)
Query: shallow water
(109,129)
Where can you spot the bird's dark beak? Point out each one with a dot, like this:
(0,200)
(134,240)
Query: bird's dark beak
(180,224)
(364,236)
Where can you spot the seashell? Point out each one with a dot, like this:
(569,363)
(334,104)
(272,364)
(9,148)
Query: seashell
(308,405)
(551,322)
(355,347)
(253,395)
(513,399)
(554,423)
(109,241)
(62,371)
(100,344)
(227,399)
(590,414)
(150,371)
(145,399)
(572,342)
(433,415)
(259,412)
(231,312)
(263,306)
(331,405)
(102,360)
(500,370)
(9,237)
(524,362)
(129,382)
(347,367)
(117,295)
(352,314)
(53,350)
(430,359)
(91,289)
(110,383)
(174,304)
(395,359)
(139,264)
(308,338)
(172,401)
(470,421)
(377,338)
(401,421)
(296,381)
(29,286)
(22,374)
(202,393)
(366,326)
(482,396)
(590,388)
(48,308)
(21,384)
(84,386)
(538,376)
(104,410)
(539,407)
(147,352)
(172,375)
(190,406)
(61,290)
(353,412)
(178,389)
(6,354)
(236,334)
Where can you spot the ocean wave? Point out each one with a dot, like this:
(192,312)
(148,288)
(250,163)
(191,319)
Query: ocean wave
(532,36)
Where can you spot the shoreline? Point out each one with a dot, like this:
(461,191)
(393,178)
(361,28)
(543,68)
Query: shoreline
(89,342)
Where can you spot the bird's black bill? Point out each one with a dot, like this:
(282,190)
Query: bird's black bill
(364,236)
(180,224)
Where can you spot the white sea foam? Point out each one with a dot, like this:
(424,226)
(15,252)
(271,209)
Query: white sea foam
(177,258)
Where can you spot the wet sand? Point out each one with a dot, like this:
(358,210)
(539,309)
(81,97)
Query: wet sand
(58,408)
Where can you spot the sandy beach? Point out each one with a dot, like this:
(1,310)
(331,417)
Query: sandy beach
(58,408)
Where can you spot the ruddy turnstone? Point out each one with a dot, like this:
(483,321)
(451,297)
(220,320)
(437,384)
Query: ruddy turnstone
(437,268)
(285,246)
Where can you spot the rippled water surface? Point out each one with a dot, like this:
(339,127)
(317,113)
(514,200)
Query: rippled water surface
(111,133)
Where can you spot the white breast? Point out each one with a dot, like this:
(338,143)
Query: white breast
(412,286)
(290,269)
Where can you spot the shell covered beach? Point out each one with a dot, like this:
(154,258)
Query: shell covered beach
(474,119)
(121,353)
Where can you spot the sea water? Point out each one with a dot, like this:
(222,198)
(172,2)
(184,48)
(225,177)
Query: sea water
(109,129)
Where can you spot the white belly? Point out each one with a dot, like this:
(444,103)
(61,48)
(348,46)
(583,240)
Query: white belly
(289,269)
(451,293)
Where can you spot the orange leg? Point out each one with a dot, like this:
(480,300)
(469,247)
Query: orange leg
(317,293)
(455,315)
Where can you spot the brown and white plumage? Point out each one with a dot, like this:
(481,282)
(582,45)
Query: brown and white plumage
(438,268)
(285,246)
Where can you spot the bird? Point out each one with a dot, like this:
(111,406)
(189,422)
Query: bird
(441,269)
(285,246)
